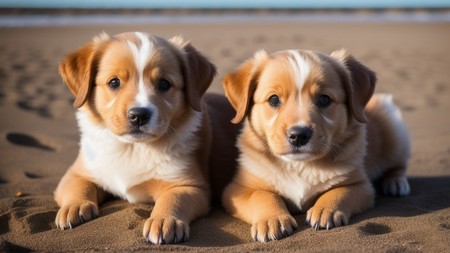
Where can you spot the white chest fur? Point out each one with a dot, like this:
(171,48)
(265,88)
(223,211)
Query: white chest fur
(296,181)
(117,166)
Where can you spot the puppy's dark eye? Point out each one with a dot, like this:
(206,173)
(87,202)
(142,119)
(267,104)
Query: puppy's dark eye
(274,101)
(114,83)
(323,101)
(163,85)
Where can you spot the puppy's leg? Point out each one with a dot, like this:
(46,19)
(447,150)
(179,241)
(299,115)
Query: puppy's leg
(335,207)
(265,210)
(389,147)
(78,198)
(173,211)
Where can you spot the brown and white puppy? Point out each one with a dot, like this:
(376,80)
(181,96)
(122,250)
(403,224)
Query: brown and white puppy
(144,135)
(310,143)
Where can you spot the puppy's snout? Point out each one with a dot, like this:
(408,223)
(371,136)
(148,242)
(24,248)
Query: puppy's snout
(139,116)
(299,136)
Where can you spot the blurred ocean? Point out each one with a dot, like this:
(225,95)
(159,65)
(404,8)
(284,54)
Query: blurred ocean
(15,13)
(236,4)
(115,19)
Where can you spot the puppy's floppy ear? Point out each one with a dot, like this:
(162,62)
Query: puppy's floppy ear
(240,85)
(360,88)
(198,72)
(78,69)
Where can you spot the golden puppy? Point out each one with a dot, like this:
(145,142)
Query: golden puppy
(305,145)
(144,135)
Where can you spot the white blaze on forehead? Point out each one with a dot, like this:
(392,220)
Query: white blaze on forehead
(300,66)
(141,57)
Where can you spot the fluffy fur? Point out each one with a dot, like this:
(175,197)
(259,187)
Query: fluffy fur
(160,156)
(311,141)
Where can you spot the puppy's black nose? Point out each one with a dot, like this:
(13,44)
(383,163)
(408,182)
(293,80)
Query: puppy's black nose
(139,116)
(299,136)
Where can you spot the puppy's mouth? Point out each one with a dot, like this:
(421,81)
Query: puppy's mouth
(139,134)
(298,154)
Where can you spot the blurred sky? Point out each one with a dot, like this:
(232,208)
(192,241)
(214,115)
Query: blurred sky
(224,3)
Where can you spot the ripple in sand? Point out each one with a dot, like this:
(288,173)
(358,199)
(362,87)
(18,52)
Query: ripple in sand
(11,247)
(4,223)
(28,141)
(40,222)
(32,175)
(143,213)
(41,110)
(372,228)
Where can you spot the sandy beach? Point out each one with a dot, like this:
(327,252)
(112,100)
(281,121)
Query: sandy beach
(39,138)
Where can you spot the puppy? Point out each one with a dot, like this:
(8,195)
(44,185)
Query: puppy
(144,135)
(312,141)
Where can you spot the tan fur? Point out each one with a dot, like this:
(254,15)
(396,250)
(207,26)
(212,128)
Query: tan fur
(327,176)
(178,201)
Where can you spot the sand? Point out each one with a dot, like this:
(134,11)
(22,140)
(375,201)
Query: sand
(39,138)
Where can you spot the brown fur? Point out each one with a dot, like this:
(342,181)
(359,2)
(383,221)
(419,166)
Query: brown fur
(178,202)
(331,169)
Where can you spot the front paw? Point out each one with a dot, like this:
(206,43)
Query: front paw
(273,228)
(74,214)
(325,218)
(166,230)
